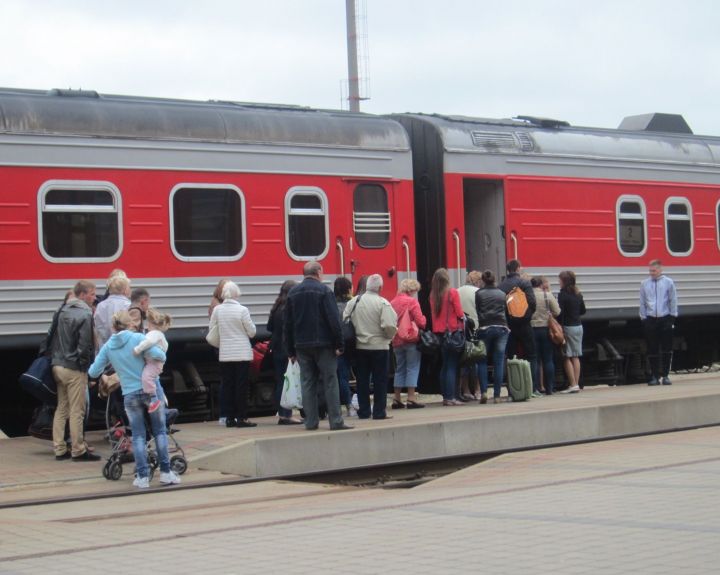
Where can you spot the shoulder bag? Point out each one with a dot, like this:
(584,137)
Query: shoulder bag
(38,379)
(453,340)
(555,330)
(428,343)
(348,330)
(408,330)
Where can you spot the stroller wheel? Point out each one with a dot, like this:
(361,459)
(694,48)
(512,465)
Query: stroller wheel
(178,464)
(115,470)
(106,469)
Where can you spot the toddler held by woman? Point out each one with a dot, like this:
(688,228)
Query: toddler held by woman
(158,323)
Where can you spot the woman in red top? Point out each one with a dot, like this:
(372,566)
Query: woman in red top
(447,315)
(407,355)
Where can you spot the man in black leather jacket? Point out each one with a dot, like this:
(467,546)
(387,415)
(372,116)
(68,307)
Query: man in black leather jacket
(72,351)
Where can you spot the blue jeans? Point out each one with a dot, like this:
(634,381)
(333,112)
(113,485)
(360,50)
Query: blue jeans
(343,375)
(375,363)
(448,371)
(495,338)
(544,350)
(280,362)
(136,409)
(407,365)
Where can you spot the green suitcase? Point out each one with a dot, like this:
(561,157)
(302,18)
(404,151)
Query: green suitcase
(520,386)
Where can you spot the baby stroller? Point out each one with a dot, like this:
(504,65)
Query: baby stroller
(122,452)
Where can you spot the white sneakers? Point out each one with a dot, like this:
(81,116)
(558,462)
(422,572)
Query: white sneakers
(573,389)
(141,482)
(169,478)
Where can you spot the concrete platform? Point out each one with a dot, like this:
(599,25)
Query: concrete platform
(29,470)
(644,505)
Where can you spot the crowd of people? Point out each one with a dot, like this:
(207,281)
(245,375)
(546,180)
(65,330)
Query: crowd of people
(94,337)
(121,332)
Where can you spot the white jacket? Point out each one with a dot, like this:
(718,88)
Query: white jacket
(236,328)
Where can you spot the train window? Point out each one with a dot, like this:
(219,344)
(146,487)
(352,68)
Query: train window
(79,221)
(371,217)
(207,222)
(631,226)
(678,226)
(306,223)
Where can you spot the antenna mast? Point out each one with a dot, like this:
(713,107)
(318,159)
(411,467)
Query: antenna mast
(356,18)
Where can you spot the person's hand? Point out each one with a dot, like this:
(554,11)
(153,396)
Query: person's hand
(338,352)
(292,358)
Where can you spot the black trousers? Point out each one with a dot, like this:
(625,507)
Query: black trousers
(234,376)
(659,335)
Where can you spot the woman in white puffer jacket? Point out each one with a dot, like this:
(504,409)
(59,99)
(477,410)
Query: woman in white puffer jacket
(234,327)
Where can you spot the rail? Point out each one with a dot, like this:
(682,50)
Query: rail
(339,246)
(456,237)
(406,249)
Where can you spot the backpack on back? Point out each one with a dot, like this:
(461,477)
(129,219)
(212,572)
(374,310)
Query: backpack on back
(517,304)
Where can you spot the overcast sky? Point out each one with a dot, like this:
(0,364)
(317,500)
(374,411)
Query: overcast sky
(587,62)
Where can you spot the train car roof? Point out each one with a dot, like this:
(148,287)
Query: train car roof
(544,136)
(89,114)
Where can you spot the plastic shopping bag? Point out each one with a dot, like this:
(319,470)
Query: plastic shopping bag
(291,397)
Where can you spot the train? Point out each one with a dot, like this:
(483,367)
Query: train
(181,193)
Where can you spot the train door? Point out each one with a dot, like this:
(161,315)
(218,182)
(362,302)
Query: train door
(370,248)
(484,226)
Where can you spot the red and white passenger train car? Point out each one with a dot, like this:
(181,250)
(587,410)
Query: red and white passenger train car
(179,194)
(600,202)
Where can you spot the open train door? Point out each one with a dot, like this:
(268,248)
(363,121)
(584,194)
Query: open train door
(484,208)
(371,248)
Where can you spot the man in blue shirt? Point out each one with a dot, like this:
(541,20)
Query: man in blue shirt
(658,311)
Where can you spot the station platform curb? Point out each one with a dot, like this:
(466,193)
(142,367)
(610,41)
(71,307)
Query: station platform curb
(476,433)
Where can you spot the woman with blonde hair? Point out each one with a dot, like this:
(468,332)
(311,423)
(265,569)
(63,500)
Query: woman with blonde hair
(217,298)
(407,355)
(447,315)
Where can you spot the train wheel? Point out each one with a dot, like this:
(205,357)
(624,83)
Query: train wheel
(178,464)
(115,471)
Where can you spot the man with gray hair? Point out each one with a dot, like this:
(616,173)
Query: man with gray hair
(313,337)
(375,324)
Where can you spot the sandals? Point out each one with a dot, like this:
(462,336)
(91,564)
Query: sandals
(398,404)
(414,405)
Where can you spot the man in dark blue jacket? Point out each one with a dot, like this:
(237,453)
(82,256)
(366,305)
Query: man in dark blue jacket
(313,337)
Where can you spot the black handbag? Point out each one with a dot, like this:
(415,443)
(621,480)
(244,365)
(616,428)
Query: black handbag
(39,382)
(38,379)
(429,343)
(453,340)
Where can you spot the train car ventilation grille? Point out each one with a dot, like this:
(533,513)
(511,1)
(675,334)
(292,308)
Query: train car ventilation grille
(526,142)
(502,141)
(371,222)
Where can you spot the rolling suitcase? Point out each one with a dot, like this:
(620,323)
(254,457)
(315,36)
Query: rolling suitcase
(519,377)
